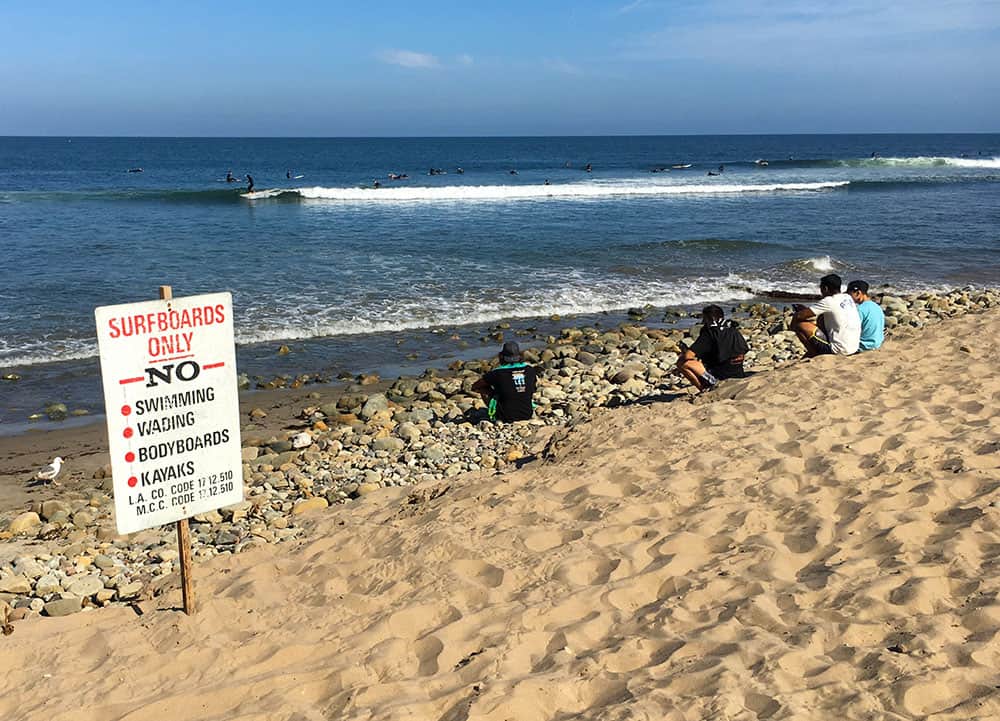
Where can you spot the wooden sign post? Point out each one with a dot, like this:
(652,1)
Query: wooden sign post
(183,532)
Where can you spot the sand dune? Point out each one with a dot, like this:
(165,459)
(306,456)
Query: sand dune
(818,542)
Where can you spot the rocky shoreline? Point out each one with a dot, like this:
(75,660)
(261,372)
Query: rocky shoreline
(62,556)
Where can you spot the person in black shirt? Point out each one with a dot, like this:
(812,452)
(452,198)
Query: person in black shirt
(508,388)
(716,354)
(249,183)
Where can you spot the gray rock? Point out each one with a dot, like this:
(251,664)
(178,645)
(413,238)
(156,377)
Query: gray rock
(28,567)
(388,443)
(225,538)
(62,606)
(165,555)
(47,585)
(85,586)
(433,453)
(408,431)
(416,415)
(15,584)
(56,411)
(51,508)
(375,403)
(129,590)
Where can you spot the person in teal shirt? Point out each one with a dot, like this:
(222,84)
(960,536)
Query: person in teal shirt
(872,317)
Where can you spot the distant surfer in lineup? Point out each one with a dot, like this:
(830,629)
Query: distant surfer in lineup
(288,174)
(589,168)
(135,170)
(249,183)
(229,177)
(460,171)
(376,185)
(875,155)
(513,172)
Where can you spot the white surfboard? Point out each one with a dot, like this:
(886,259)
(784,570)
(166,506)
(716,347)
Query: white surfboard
(261,194)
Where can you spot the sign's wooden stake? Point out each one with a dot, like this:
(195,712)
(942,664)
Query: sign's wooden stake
(183,532)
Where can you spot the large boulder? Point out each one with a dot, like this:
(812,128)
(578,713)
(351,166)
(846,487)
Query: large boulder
(24,523)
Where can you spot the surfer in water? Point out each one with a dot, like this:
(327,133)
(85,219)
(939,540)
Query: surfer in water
(229,177)
(249,183)
(288,174)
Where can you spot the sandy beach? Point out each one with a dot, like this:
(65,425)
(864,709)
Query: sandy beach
(817,541)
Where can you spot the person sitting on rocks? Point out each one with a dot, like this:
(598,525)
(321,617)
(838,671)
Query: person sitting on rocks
(509,388)
(717,353)
(831,326)
(872,317)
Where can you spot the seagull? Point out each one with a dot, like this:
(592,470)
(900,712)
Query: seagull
(49,474)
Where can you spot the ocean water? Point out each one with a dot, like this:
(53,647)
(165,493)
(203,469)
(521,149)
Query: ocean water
(355,276)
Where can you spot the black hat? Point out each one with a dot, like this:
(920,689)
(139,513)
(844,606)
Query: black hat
(510,353)
(857,285)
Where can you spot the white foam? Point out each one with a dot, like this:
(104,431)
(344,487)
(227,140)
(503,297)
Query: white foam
(579,296)
(927,161)
(565,191)
(823,263)
(40,352)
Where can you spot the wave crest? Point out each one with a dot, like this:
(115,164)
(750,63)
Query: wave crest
(540,192)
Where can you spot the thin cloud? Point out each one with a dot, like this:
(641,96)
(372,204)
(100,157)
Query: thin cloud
(560,65)
(408,59)
(782,31)
(465,59)
(634,5)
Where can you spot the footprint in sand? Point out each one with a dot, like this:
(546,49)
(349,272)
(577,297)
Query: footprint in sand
(546,540)
(585,571)
(479,572)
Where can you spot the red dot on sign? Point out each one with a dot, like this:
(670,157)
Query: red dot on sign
(126,410)
(130,456)
(132,481)
(127,433)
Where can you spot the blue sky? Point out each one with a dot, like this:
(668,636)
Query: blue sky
(393,68)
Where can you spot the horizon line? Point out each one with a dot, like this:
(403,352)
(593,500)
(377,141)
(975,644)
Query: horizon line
(496,137)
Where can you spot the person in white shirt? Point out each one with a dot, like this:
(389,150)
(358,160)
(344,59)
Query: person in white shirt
(831,326)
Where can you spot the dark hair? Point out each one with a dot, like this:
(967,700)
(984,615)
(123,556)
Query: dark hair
(713,314)
(831,282)
(510,353)
(857,285)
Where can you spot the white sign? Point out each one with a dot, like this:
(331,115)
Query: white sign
(170,391)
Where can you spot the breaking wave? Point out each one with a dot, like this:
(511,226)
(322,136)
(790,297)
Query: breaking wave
(541,192)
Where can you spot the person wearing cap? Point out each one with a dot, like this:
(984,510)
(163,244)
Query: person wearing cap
(830,326)
(717,353)
(509,388)
(872,317)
